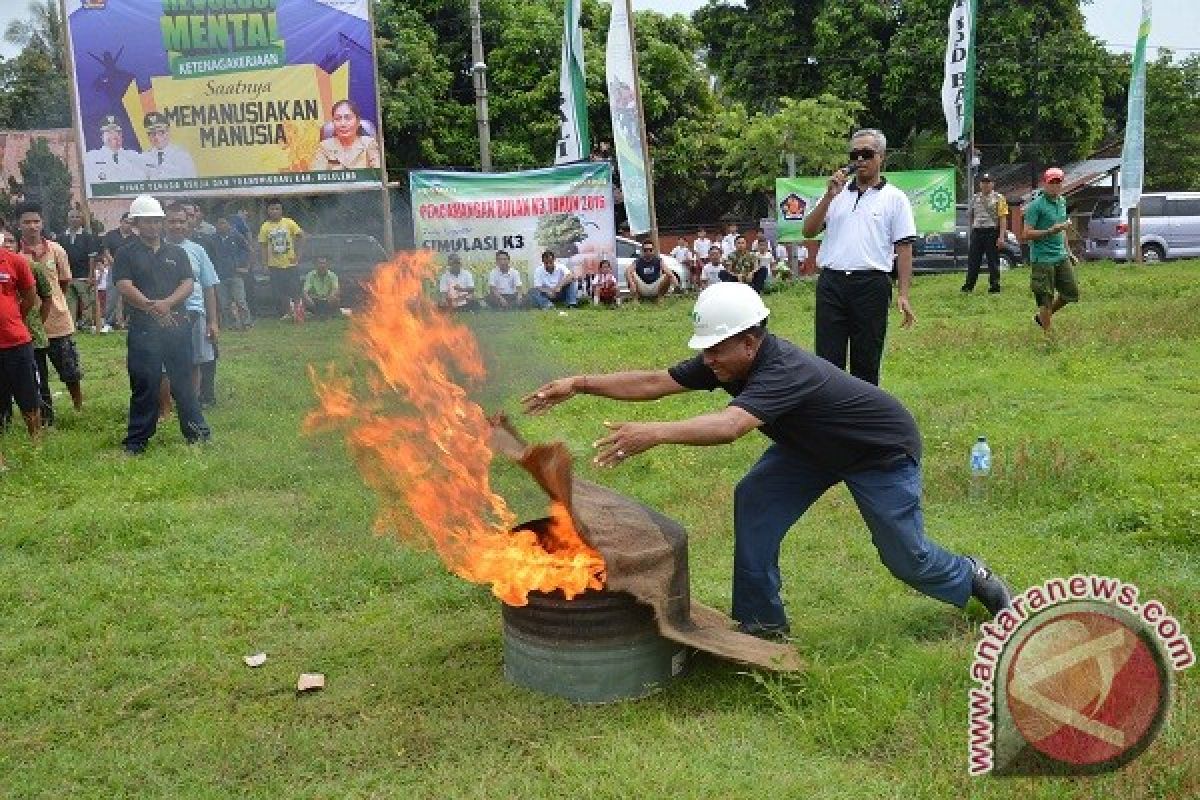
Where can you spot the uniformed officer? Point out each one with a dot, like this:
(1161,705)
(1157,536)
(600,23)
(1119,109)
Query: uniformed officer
(164,160)
(111,161)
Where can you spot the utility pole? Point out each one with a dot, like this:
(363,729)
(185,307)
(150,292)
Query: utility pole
(479,74)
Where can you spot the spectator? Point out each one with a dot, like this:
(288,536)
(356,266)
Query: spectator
(743,267)
(729,240)
(1050,260)
(155,278)
(83,250)
(456,286)
(553,283)
(322,295)
(868,223)
(604,288)
(110,243)
(988,218)
(52,260)
(647,277)
(687,259)
(763,256)
(231,258)
(701,244)
(504,284)
(18,369)
(710,273)
(279,239)
(201,302)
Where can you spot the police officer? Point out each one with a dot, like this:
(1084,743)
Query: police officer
(111,161)
(164,160)
(988,216)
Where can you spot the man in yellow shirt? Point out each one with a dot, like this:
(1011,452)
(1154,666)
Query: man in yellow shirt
(279,238)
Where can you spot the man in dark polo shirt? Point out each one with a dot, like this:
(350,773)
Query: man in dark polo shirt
(826,427)
(83,248)
(155,278)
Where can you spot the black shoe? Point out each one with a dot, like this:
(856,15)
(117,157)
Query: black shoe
(994,290)
(989,588)
(967,289)
(1037,317)
(774,633)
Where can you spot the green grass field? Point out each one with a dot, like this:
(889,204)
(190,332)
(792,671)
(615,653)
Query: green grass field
(131,589)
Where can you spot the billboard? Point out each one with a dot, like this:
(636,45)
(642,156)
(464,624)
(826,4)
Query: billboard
(931,192)
(567,209)
(224,96)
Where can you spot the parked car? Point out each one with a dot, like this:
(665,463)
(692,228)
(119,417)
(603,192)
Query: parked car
(1170,228)
(353,256)
(947,252)
(627,251)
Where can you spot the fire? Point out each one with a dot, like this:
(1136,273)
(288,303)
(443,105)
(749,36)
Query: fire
(421,444)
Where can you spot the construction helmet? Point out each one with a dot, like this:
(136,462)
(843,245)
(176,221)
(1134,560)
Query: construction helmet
(723,310)
(145,206)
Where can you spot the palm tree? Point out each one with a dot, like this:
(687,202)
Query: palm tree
(42,29)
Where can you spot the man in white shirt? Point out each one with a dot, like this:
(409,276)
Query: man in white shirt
(111,162)
(683,254)
(504,284)
(164,160)
(729,242)
(701,244)
(868,223)
(456,286)
(552,283)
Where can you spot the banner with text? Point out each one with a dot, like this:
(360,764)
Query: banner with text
(931,192)
(193,97)
(566,209)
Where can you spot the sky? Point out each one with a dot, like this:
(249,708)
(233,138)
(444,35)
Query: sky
(1176,23)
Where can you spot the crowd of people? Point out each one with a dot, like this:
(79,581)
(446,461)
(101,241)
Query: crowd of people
(168,277)
(647,278)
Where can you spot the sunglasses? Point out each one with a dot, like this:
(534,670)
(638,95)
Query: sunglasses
(865,153)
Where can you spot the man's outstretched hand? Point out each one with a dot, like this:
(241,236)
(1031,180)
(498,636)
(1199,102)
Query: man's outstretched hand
(548,396)
(627,439)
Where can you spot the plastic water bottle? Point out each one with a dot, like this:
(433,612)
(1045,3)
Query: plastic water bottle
(981,467)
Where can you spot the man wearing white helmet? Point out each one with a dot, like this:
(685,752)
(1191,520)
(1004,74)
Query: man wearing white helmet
(154,278)
(826,427)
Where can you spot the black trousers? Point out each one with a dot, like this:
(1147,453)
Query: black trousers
(983,242)
(149,352)
(852,310)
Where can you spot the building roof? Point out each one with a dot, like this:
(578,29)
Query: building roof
(1012,180)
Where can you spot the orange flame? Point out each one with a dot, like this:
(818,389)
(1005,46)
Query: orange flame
(427,457)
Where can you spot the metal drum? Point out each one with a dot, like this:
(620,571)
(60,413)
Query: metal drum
(599,647)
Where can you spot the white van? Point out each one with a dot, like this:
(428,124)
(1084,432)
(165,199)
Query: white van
(1170,228)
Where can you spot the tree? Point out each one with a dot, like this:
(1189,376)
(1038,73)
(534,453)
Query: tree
(40,30)
(1172,123)
(33,86)
(812,130)
(45,179)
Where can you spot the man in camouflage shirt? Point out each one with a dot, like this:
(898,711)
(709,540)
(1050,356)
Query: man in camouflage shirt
(743,267)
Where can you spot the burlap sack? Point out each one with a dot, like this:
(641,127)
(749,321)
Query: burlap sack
(645,552)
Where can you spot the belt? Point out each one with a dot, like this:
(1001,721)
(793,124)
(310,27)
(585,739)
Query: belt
(863,271)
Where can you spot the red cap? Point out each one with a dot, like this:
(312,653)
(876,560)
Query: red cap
(1053,174)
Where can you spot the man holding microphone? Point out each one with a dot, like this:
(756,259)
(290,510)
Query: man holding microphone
(867,223)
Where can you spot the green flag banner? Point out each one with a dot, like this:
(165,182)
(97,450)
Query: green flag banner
(931,192)
(1133,153)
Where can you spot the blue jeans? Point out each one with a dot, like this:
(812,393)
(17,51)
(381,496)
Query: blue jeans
(150,351)
(780,488)
(569,295)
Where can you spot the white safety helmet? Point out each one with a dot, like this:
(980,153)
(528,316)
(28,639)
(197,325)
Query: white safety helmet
(145,206)
(723,310)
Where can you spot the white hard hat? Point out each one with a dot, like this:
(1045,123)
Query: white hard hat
(145,206)
(723,310)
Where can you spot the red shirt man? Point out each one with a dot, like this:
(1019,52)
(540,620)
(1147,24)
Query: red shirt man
(18,372)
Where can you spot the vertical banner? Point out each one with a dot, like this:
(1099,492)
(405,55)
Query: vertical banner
(958,83)
(574,141)
(224,96)
(1133,153)
(567,209)
(626,122)
(930,191)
